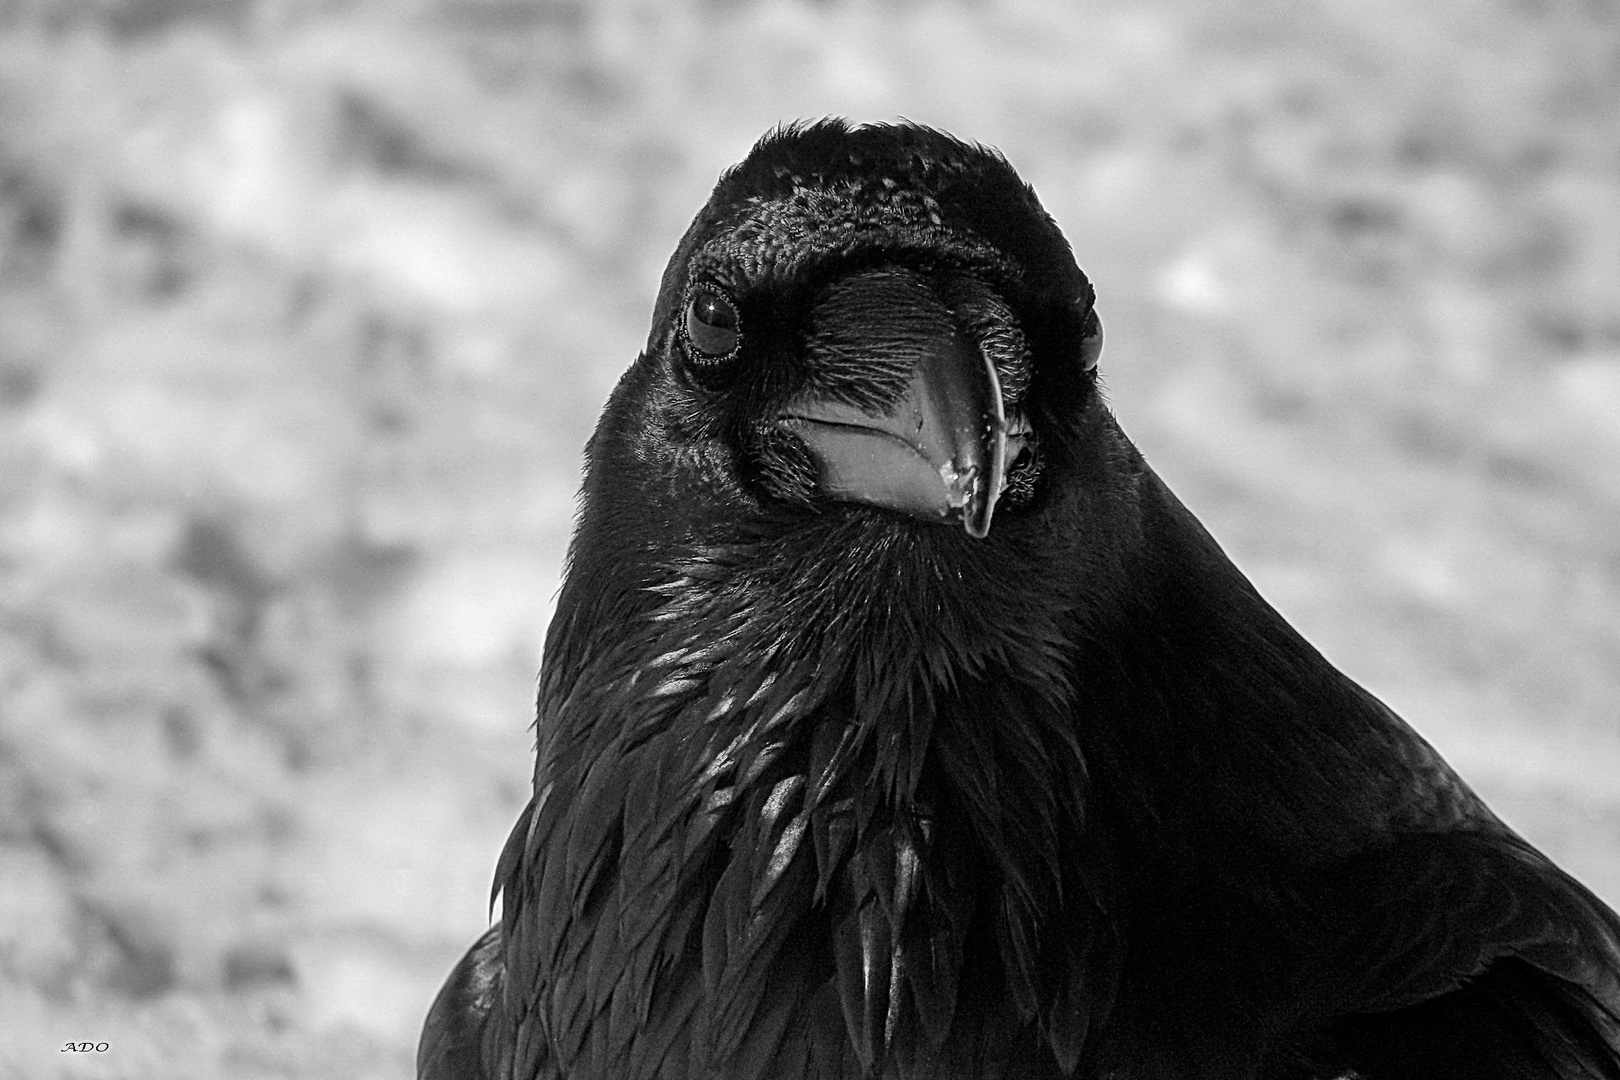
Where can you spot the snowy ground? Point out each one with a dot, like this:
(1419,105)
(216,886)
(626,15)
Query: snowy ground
(307,307)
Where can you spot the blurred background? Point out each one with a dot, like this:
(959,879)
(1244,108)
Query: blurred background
(308,306)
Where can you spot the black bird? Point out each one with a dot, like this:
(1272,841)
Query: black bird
(897,721)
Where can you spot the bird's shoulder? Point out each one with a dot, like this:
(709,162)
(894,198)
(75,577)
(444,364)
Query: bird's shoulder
(1426,912)
(461,1039)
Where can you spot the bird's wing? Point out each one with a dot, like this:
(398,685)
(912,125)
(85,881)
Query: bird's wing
(1473,939)
(460,1039)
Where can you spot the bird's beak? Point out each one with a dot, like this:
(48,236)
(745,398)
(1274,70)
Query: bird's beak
(941,452)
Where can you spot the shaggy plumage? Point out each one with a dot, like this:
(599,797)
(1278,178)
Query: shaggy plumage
(896,720)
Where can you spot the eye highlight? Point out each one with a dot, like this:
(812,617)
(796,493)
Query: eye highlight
(711,325)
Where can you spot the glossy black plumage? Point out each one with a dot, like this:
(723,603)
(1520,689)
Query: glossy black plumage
(830,786)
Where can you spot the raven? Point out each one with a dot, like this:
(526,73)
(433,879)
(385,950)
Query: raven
(897,721)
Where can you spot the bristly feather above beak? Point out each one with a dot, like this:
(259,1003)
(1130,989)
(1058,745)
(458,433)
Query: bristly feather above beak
(941,449)
(941,452)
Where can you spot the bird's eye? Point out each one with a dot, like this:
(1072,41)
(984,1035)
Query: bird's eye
(711,325)
(1091,341)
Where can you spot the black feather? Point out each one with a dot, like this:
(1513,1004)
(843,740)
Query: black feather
(826,789)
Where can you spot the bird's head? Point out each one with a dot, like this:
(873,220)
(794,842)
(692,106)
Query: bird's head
(871,340)
(874,317)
